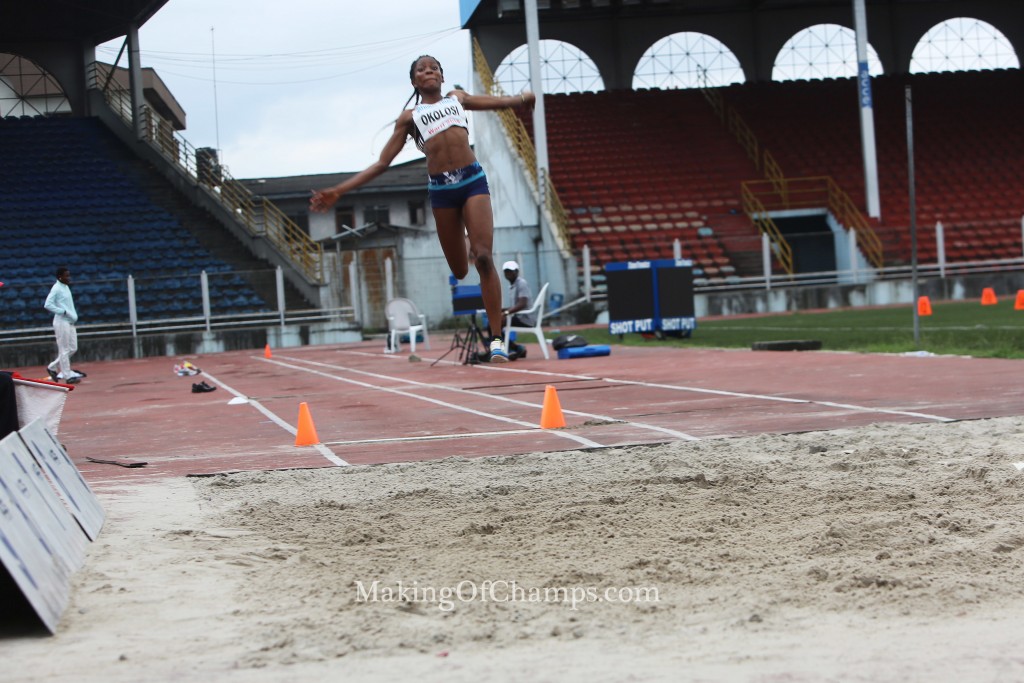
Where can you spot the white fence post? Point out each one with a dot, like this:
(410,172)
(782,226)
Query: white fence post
(133,313)
(851,245)
(279,277)
(204,285)
(766,260)
(586,271)
(353,286)
(389,279)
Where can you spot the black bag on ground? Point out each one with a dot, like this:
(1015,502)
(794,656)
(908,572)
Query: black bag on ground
(568,341)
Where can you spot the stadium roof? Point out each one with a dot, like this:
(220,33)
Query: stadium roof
(485,11)
(93,21)
(616,34)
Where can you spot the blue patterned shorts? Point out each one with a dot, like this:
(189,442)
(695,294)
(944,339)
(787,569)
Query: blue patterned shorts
(451,189)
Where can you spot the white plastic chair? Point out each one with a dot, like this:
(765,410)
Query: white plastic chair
(405,318)
(538,310)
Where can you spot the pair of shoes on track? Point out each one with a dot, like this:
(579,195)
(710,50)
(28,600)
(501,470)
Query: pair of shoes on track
(74,379)
(202,388)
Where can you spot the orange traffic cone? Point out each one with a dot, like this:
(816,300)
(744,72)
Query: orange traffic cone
(988,297)
(551,414)
(306,434)
(924,306)
(266,352)
(1019,304)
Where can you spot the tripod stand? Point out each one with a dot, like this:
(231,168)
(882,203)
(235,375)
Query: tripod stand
(469,343)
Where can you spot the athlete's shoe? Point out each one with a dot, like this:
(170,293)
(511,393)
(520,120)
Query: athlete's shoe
(498,352)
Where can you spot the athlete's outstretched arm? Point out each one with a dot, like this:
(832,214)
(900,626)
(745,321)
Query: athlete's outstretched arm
(324,199)
(524,100)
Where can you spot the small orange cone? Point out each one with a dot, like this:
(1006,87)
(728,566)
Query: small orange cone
(306,434)
(266,352)
(924,306)
(988,297)
(1019,304)
(551,414)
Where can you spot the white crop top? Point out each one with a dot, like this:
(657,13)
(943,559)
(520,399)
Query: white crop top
(431,119)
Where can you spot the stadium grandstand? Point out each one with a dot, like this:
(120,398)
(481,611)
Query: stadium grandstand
(747,136)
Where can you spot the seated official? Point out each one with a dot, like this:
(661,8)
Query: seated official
(520,298)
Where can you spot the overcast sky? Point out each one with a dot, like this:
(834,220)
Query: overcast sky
(305,86)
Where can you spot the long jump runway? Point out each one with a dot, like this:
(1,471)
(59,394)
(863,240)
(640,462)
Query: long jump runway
(369,407)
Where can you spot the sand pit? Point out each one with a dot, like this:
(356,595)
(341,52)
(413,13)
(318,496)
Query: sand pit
(879,553)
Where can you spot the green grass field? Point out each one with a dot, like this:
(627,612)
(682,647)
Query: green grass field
(959,328)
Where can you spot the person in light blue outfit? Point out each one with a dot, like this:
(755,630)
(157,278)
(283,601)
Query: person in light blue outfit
(60,302)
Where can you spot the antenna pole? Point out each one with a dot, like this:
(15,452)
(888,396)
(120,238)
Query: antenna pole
(216,116)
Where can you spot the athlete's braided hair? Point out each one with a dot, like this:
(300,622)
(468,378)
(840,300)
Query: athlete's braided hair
(416,94)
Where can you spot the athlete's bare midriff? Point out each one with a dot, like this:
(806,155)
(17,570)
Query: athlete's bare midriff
(448,151)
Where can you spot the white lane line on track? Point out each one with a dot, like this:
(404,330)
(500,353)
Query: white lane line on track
(321,448)
(435,437)
(664,430)
(642,425)
(722,392)
(587,443)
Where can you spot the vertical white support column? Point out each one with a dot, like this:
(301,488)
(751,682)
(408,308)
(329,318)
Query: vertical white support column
(204,286)
(940,247)
(677,249)
(867,116)
(540,131)
(279,277)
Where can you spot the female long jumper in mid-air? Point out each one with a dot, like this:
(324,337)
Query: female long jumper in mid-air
(457,186)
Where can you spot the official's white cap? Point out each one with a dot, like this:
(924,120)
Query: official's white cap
(510,265)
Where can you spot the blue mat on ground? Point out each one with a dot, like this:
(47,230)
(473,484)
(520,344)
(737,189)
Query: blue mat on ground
(585,351)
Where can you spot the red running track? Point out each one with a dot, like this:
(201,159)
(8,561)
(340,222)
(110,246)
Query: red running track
(369,407)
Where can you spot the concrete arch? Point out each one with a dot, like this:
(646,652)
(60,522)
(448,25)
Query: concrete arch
(65,65)
(28,89)
(873,58)
(1015,53)
(1007,18)
(688,36)
(549,49)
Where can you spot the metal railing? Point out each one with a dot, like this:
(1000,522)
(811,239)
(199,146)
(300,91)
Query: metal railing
(818,192)
(745,136)
(134,307)
(258,215)
(754,208)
